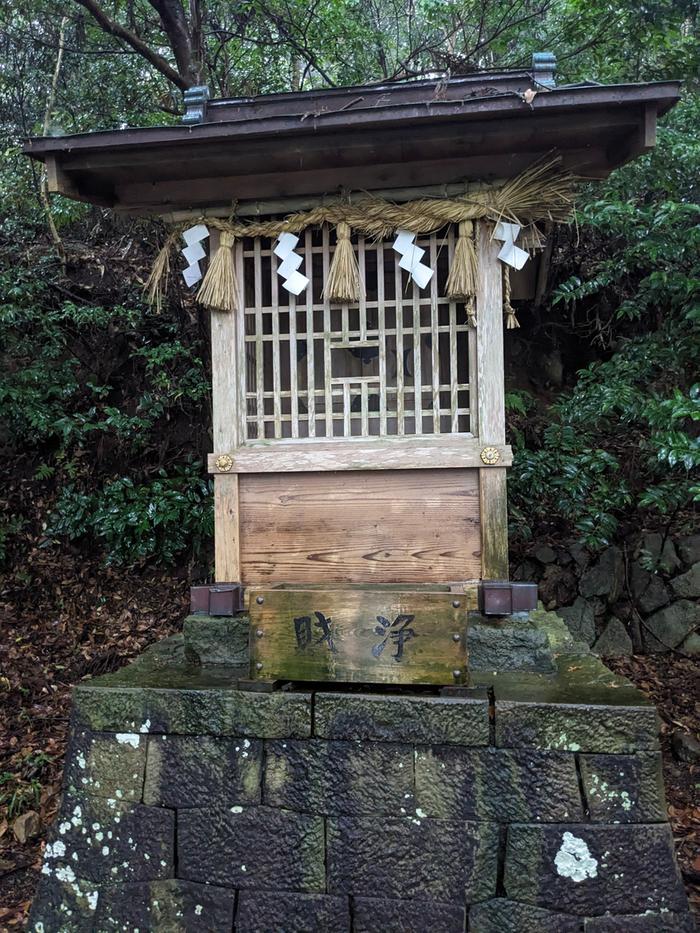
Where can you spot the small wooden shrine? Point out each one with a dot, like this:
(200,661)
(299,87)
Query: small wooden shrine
(360,250)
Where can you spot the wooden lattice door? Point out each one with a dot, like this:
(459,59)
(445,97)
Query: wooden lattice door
(353,432)
(396,364)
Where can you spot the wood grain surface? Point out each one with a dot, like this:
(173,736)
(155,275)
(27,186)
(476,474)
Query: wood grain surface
(225,435)
(386,453)
(491,396)
(361,636)
(407,526)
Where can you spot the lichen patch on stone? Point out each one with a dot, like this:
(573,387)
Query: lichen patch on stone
(574,860)
(607,794)
(55,850)
(129,738)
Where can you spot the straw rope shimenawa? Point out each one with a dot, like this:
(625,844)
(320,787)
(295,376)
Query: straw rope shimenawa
(542,192)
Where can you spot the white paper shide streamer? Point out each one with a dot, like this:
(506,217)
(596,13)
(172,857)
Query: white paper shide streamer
(194,252)
(510,254)
(411,256)
(293,280)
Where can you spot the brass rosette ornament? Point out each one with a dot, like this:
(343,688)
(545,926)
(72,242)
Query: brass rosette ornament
(490,456)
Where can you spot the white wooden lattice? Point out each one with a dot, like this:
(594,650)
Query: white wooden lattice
(316,370)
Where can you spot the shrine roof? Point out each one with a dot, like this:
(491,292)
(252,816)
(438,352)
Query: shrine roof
(439,131)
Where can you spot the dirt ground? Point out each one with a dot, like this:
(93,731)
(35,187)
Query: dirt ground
(64,620)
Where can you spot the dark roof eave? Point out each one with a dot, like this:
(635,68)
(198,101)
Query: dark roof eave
(664,94)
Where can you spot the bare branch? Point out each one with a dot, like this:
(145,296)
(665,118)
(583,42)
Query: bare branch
(174,22)
(136,42)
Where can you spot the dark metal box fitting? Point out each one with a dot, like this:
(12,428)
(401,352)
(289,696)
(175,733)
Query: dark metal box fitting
(216,599)
(502,598)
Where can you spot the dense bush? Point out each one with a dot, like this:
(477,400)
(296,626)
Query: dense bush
(105,410)
(620,440)
(624,438)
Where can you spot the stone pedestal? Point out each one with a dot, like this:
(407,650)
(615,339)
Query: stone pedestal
(535,803)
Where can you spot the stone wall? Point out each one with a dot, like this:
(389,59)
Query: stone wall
(642,597)
(534,802)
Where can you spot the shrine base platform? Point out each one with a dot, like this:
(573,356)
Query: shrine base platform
(532,803)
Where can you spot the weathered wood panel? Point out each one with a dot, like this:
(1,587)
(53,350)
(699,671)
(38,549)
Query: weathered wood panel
(225,436)
(409,526)
(491,404)
(489,338)
(494,527)
(359,635)
(405,453)
(226,532)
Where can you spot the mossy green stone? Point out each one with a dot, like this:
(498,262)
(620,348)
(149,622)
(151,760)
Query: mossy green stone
(593,869)
(501,915)
(403,718)
(522,642)
(292,912)
(412,857)
(109,841)
(256,847)
(204,710)
(166,907)
(200,771)
(648,922)
(394,915)
(584,708)
(68,905)
(339,777)
(217,640)
(575,728)
(494,784)
(118,709)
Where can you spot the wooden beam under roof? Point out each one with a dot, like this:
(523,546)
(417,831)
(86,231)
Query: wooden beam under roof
(412,135)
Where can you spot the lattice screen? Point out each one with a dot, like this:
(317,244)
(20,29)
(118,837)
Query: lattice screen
(397,363)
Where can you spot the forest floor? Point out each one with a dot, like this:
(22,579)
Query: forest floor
(67,619)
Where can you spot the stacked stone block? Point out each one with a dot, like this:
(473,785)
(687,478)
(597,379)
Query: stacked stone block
(205,808)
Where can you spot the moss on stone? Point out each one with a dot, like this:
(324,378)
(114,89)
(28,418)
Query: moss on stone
(217,640)
(205,709)
(403,718)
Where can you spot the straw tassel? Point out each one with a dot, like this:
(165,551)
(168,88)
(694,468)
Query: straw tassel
(158,279)
(219,290)
(511,319)
(343,282)
(461,282)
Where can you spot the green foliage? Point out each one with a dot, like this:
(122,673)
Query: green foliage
(162,518)
(625,437)
(649,221)
(581,472)
(21,790)
(91,425)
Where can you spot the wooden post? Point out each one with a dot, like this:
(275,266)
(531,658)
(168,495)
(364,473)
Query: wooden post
(491,405)
(226,412)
